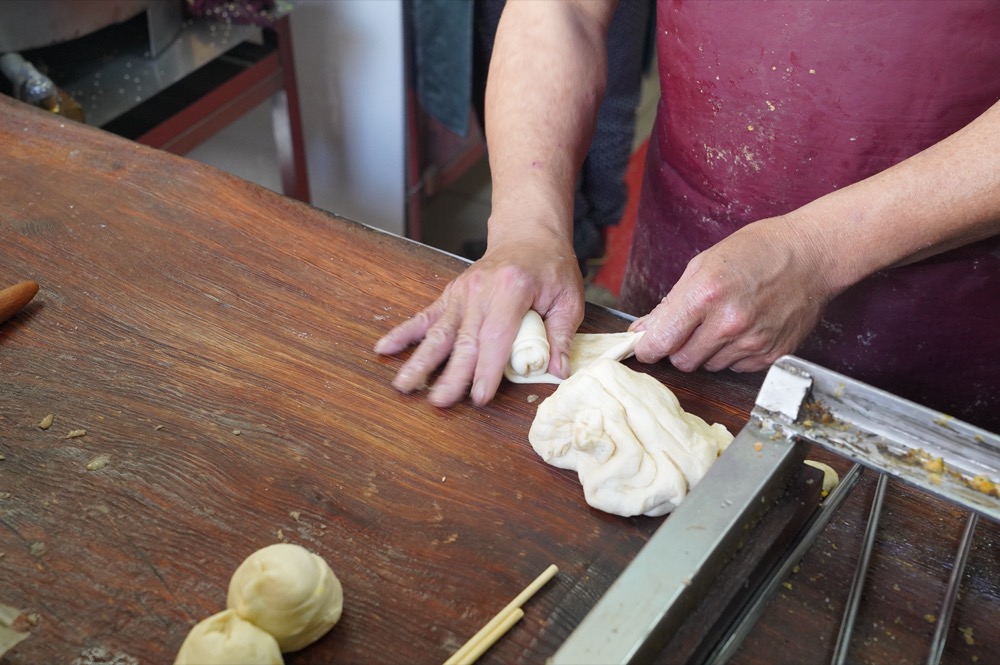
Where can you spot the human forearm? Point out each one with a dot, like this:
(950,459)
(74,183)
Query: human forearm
(944,197)
(546,81)
(756,295)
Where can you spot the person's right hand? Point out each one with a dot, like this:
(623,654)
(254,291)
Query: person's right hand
(473,323)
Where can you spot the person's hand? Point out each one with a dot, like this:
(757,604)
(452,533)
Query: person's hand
(477,316)
(743,303)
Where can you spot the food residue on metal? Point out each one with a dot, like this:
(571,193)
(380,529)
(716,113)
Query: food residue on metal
(98,462)
(937,468)
(47,421)
(934,465)
(758,446)
(983,484)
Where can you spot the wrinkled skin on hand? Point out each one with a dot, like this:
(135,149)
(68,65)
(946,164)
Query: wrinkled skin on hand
(473,324)
(742,303)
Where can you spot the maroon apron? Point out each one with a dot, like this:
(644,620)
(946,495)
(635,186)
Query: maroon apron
(766,106)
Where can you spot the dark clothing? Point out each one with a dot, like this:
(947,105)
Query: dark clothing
(766,106)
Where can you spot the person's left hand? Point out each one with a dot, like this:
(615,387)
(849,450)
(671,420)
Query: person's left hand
(742,303)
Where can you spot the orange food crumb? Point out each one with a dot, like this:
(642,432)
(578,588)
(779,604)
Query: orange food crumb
(983,484)
(934,465)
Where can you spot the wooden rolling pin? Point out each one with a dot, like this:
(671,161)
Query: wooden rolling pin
(13,298)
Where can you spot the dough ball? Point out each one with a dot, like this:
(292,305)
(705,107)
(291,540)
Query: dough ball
(226,639)
(636,451)
(289,592)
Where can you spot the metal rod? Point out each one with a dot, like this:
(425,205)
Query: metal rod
(951,593)
(860,573)
(755,606)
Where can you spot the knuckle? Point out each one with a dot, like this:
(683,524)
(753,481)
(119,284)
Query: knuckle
(512,279)
(734,321)
(683,362)
(439,335)
(465,346)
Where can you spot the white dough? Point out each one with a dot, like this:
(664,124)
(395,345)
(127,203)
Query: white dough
(226,639)
(830,477)
(289,592)
(636,451)
(529,356)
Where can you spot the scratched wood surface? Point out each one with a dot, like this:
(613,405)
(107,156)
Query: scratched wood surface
(214,340)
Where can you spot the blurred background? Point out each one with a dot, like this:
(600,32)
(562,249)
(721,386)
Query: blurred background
(359,107)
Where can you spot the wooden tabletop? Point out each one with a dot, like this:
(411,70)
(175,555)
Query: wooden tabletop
(214,339)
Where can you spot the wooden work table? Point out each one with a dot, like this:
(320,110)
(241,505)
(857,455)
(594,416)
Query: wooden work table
(214,339)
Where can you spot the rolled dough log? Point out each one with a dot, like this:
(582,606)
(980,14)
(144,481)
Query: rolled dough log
(636,451)
(529,356)
(288,591)
(227,639)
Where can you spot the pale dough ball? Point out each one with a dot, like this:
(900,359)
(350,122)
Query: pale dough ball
(636,451)
(226,639)
(289,592)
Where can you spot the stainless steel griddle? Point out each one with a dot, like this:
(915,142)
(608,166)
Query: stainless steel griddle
(799,403)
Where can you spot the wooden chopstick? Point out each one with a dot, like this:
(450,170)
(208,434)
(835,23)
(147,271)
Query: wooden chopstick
(501,623)
(480,647)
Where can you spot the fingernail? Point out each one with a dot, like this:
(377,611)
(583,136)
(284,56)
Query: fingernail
(478,393)
(380,346)
(564,365)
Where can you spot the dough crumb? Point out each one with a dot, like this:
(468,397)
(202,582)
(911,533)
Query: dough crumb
(47,421)
(98,462)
